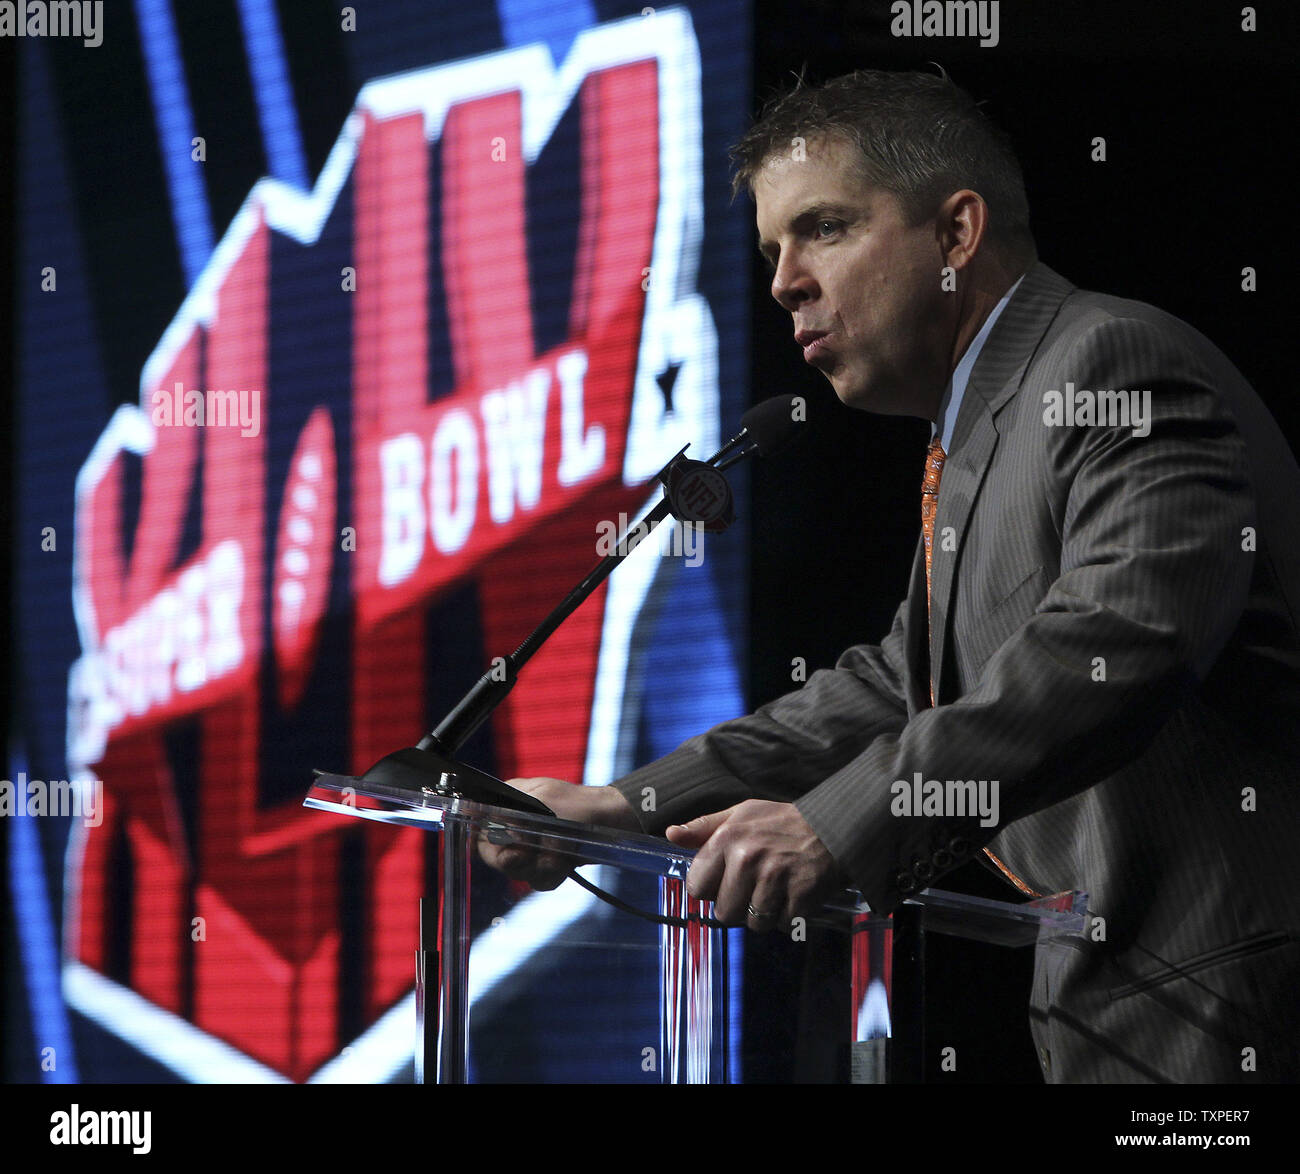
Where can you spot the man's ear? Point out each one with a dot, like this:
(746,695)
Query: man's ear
(961,225)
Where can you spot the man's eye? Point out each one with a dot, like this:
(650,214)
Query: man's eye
(827,227)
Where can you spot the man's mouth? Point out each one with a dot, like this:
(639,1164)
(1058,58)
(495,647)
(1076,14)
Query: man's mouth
(813,343)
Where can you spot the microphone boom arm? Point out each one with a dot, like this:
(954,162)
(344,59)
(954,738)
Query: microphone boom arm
(427,765)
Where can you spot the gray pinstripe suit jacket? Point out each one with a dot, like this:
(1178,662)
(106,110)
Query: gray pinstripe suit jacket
(1115,641)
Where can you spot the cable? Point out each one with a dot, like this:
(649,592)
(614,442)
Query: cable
(694,919)
(657,918)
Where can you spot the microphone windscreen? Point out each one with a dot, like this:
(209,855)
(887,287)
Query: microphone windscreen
(776,422)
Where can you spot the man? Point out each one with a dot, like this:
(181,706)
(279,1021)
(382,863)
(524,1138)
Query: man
(1100,628)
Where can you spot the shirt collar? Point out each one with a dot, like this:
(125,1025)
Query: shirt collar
(953,394)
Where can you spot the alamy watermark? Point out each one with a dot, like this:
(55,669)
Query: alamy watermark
(66,798)
(676,540)
(949,798)
(121,1127)
(1110,408)
(946,18)
(210,409)
(54,18)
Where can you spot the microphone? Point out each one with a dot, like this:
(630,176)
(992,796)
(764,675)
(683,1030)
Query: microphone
(695,492)
(765,429)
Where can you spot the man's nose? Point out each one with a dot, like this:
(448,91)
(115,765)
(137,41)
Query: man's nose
(793,285)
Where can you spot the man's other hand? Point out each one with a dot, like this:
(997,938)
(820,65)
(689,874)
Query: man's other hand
(536,864)
(758,862)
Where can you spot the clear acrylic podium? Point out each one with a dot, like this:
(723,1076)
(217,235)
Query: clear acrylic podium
(886,1025)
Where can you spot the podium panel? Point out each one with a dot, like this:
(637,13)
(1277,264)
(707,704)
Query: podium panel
(670,1023)
(650,940)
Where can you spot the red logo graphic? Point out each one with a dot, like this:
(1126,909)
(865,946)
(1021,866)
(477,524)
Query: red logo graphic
(235,926)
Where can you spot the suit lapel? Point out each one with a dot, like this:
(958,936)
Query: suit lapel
(915,657)
(973,443)
(997,375)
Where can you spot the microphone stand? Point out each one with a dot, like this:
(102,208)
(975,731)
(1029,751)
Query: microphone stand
(695,492)
(431,765)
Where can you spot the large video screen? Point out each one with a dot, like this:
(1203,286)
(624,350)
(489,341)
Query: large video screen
(349,333)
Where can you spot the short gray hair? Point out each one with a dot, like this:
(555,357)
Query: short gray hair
(918,136)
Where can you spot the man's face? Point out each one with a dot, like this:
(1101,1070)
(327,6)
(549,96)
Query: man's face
(863,287)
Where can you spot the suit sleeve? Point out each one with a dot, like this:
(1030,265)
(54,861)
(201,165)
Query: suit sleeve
(783,749)
(1153,577)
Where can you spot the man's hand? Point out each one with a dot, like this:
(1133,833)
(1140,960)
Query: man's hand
(532,862)
(759,863)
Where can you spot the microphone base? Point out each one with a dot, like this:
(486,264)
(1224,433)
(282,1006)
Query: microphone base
(418,770)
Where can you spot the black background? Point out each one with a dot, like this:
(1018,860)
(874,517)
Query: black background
(1198,119)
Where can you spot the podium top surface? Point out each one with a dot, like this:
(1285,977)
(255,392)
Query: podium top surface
(943,912)
(427,809)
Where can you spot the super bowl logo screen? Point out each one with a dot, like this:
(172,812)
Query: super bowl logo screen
(403,396)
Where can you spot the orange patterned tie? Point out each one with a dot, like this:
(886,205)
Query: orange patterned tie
(934,459)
